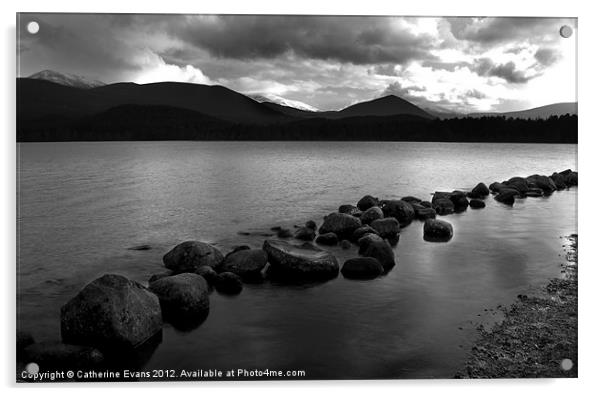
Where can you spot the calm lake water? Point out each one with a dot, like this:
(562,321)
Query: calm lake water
(81,205)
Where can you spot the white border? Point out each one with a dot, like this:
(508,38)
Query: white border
(589,144)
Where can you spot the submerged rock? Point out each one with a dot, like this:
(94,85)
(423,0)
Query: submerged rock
(111,311)
(341,224)
(247,264)
(140,247)
(367,202)
(305,262)
(190,255)
(228,283)
(305,234)
(330,239)
(362,268)
(311,224)
(401,210)
(371,245)
(476,204)
(284,233)
(374,213)
(182,297)
(52,355)
(437,231)
(386,228)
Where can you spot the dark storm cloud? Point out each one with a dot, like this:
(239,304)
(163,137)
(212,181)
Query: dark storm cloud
(357,40)
(504,29)
(547,56)
(507,71)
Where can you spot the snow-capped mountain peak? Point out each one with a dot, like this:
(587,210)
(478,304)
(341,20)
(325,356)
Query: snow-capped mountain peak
(267,97)
(69,80)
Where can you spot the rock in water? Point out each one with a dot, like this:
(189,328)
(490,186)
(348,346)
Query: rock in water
(367,202)
(374,213)
(284,233)
(51,355)
(443,206)
(437,231)
(329,239)
(305,262)
(543,182)
(386,228)
(160,275)
(228,283)
(476,204)
(518,183)
(480,190)
(401,210)
(459,200)
(111,311)
(208,273)
(362,268)
(496,186)
(190,255)
(559,180)
(350,210)
(305,234)
(423,213)
(345,244)
(360,232)
(341,224)
(311,224)
(247,264)
(371,245)
(506,196)
(183,297)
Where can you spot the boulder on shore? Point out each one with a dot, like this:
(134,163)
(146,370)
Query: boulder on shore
(182,297)
(247,264)
(386,228)
(330,239)
(111,311)
(228,283)
(374,213)
(437,231)
(52,355)
(305,262)
(371,245)
(190,255)
(367,202)
(362,268)
(305,234)
(401,210)
(341,224)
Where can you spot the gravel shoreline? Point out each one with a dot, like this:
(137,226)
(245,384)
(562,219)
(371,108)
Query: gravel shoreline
(538,336)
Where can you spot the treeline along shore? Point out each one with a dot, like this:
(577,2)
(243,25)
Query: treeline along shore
(113,318)
(156,123)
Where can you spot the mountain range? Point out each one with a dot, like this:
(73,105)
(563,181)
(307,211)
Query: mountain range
(51,103)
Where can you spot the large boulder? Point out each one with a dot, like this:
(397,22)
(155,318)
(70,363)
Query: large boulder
(570,178)
(480,190)
(517,183)
(367,202)
(496,186)
(360,232)
(437,230)
(350,210)
(52,355)
(190,255)
(362,268)
(543,182)
(305,262)
(183,297)
(341,224)
(228,283)
(247,264)
(422,212)
(330,239)
(208,273)
(386,228)
(401,210)
(506,196)
(559,180)
(371,245)
(111,311)
(305,234)
(459,200)
(374,213)
(476,204)
(443,206)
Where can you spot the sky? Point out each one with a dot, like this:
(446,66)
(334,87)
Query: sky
(327,62)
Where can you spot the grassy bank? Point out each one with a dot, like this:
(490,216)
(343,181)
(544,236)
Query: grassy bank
(537,334)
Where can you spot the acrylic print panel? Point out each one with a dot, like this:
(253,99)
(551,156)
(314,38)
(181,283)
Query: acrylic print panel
(221,197)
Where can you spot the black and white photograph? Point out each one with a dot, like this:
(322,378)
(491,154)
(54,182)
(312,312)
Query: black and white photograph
(251,197)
